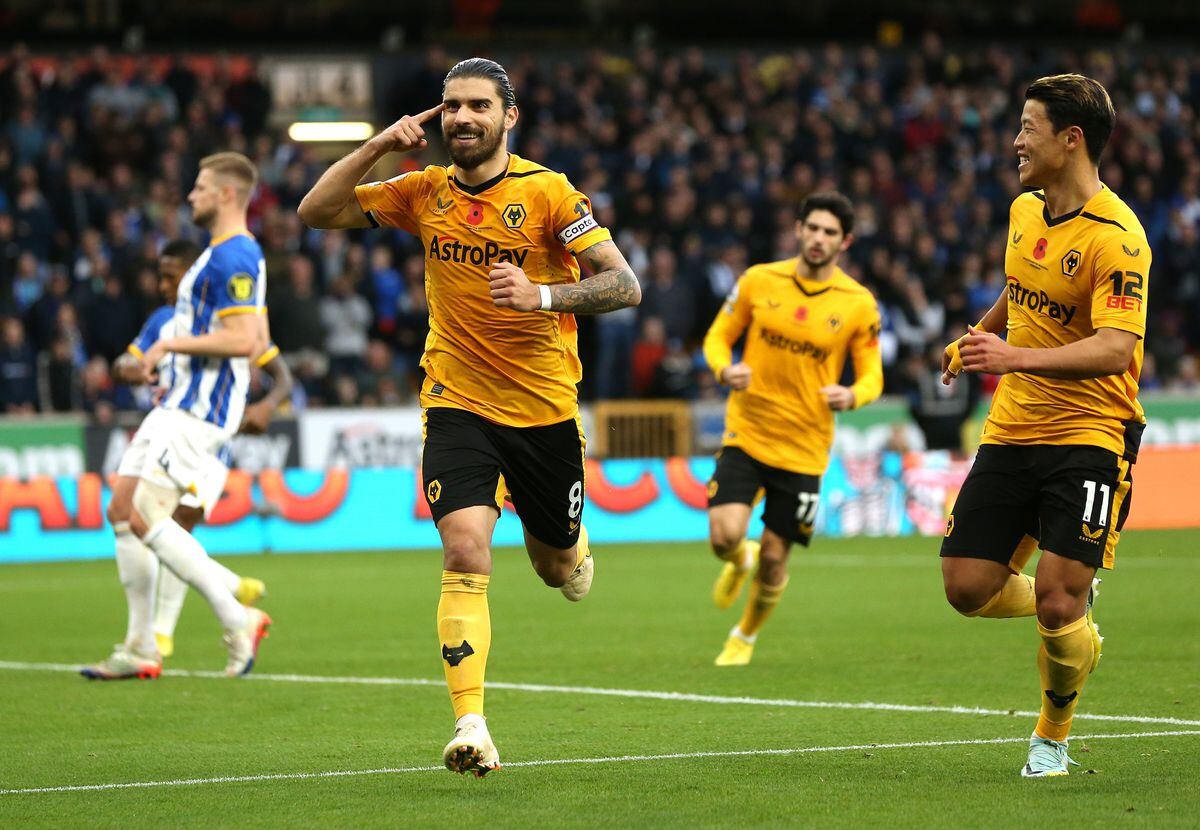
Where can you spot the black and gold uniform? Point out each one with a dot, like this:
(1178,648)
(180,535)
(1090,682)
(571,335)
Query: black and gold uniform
(778,431)
(504,372)
(1055,456)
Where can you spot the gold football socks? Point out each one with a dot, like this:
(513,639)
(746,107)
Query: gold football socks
(1064,663)
(759,605)
(465,629)
(1015,599)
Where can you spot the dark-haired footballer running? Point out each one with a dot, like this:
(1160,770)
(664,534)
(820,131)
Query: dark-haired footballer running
(502,237)
(1053,468)
(802,318)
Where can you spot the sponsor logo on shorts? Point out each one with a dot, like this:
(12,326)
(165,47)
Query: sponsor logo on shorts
(433,491)
(1090,536)
(712,488)
(950,525)
(456,654)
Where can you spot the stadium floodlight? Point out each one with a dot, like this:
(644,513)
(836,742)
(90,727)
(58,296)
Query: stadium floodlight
(330,131)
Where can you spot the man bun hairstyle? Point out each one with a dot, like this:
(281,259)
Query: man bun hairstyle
(835,203)
(1077,101)
(488,69)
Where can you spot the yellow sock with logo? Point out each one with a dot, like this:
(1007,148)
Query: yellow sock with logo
(1015,599)
(1064,663)
(762,601)
(465,629)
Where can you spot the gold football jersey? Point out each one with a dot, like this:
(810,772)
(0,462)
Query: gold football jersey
(1068,277)
(516,368)
(798,335)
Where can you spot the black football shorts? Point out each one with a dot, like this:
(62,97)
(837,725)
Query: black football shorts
(1073,499)
(791,498)
(465,457)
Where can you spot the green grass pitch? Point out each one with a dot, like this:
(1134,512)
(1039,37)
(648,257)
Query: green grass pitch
(862,621)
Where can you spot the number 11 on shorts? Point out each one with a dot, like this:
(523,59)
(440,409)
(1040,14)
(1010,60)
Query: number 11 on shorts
(1090,488)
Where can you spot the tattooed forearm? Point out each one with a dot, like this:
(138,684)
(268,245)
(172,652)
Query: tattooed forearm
(607,291)
(613,285)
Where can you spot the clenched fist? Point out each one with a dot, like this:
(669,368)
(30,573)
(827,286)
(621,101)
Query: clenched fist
(512,289)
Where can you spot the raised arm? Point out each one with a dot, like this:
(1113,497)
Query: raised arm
(331,203)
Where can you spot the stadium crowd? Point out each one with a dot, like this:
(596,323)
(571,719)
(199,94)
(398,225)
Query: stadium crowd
(696,160)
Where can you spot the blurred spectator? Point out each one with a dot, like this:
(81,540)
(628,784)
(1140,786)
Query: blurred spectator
(18,373)
(295,310)
(97,152)
(666,297)
(347,318)
(939,410)
(111,320)
(60,378)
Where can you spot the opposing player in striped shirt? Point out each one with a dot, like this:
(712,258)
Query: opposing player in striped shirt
(216,328)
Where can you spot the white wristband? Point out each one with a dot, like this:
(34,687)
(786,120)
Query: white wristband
(546,298)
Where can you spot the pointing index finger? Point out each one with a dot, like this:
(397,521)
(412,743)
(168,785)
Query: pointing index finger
(430,113)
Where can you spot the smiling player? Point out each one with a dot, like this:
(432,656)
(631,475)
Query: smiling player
(1053,468)
(501,237)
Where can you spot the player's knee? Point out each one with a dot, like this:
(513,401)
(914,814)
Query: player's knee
(151,505)
(188,517)
(464,552)
(118,512)
(724,538)
(555,572)
(967,597)
(1056,609)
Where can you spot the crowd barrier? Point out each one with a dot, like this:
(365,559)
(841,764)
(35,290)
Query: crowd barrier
(639,501)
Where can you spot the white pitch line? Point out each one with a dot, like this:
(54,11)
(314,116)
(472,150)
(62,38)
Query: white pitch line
(609,759)
(644,694)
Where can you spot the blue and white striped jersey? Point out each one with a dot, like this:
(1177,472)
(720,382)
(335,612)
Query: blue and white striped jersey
(228,278)
(160,324)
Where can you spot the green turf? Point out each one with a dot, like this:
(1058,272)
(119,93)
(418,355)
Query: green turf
(862,620)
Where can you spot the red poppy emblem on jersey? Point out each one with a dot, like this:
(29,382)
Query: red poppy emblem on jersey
(475,213)
(802,313)
(1039,250)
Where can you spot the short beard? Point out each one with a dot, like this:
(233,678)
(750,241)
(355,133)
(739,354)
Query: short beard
(204,220)
(471,158)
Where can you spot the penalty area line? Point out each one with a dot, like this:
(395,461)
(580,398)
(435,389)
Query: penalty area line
(547,762)
(643,694)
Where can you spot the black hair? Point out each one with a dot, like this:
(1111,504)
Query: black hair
(488,69)
(184,249)
(1077,101)
(835,203)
